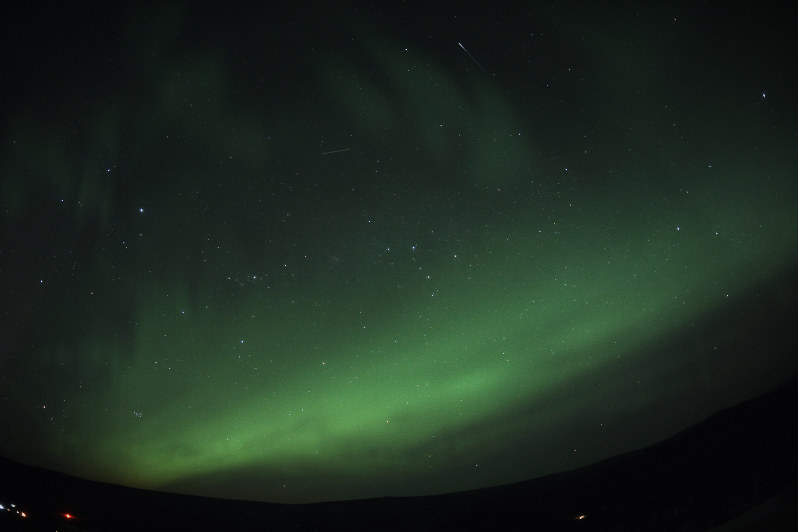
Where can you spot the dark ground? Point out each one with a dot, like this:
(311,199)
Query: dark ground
(736,470)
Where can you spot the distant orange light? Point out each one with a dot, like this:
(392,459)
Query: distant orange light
(69,516)
(23,514)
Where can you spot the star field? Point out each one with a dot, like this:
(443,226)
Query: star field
(335,253)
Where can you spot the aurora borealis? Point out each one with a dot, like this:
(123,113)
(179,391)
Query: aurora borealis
(319,253)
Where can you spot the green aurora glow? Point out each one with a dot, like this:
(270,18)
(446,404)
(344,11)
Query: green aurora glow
(504,275)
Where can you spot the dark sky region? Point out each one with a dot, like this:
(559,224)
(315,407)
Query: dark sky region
(319,251)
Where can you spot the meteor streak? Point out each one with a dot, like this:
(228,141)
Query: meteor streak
(471,56)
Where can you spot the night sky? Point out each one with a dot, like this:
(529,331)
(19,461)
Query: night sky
(318,252)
